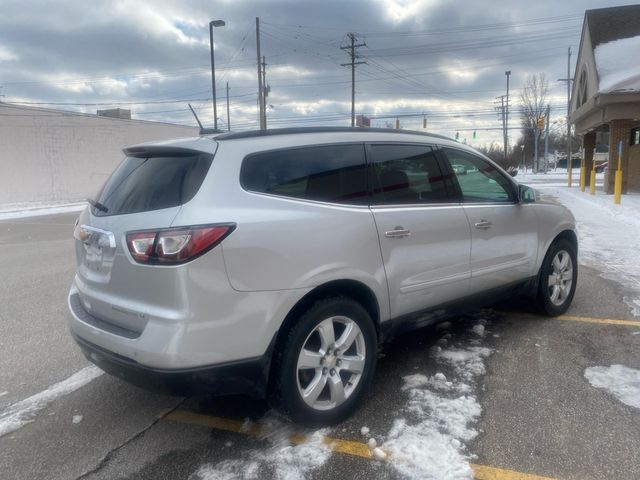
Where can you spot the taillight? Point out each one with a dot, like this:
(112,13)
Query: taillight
(175,245)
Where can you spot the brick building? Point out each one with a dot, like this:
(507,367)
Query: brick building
(605,99)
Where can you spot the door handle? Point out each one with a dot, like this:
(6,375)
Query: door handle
(483,224)
(397,232)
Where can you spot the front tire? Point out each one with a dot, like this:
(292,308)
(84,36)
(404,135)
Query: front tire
(327,363)
(558,278)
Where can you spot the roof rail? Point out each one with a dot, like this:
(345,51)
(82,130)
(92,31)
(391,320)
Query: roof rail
(300,130)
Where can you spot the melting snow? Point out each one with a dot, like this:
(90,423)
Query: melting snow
(279,460)
(15,416)
(429,442)
(11,211)
(623,382)
(76,419)
(364,430)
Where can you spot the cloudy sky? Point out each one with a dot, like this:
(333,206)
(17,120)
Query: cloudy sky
(444,59)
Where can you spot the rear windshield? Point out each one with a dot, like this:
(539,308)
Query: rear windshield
(144,183)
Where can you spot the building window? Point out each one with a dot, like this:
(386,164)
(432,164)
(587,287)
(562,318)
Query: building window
(635,136)
(582,89)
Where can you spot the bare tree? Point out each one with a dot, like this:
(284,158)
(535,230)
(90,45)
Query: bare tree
(534,98)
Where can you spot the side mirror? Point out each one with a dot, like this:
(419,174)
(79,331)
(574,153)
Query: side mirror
(526,194)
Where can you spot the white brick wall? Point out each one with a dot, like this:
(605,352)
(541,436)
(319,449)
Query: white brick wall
(48,155)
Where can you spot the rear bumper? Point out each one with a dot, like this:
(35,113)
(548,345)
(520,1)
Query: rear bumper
(247,377)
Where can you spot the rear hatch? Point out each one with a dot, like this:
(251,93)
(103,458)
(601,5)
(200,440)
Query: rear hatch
(144,193)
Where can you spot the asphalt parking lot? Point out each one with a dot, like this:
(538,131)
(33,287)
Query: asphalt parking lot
(540,417)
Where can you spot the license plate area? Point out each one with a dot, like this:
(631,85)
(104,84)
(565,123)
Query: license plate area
(97,249)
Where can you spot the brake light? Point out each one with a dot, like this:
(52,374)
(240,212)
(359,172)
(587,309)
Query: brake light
(176,245)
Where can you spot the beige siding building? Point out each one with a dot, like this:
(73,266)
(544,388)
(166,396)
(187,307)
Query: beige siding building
(58,156)
(605,100)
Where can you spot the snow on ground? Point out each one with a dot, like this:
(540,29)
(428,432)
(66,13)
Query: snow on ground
(279,460)
(428,441)
(622,382)
(23,210)
(17,415)
(609,235)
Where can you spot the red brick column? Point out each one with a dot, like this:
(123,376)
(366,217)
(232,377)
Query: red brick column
(619,130)
(588,143)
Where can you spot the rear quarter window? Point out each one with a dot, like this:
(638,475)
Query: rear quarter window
(329,173)
(153,182)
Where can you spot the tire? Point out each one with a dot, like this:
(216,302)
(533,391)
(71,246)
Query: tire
(319,387)
(558,278)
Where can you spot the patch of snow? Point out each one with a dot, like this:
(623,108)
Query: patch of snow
(17,415)
(615,71)
(12,211)
(76,419)
(428,443)
(623,382)
(364,431)
(637,332)
(279,460)
(2,394)
(379,454)
(372,443)
(467,362)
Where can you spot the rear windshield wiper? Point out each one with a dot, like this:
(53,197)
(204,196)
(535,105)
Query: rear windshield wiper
(97,205)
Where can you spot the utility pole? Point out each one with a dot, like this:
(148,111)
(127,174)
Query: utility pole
(228,115)
(506,119)
(502,110)
(265,92)
(353,63)
(568,80)
(260,87)
(546,139)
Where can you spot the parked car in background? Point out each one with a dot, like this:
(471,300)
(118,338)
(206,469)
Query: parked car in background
(601,167)
(273,263)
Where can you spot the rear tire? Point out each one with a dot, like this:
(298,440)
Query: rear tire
(326,364)
(558,278)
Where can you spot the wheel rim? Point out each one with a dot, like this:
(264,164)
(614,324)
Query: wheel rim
(331,363)
(561,278)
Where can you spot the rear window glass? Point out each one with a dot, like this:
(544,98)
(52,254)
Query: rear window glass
(144,183)
(331,173)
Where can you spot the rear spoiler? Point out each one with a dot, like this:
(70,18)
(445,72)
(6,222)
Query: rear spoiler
(157,150)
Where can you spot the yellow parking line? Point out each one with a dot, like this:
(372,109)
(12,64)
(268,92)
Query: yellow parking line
(347,447)
(606,321)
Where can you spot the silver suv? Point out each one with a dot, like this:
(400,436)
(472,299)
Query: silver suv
(273,263)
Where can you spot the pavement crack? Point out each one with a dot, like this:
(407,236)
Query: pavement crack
(110,454)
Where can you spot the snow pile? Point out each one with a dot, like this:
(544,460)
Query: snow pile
(279,459)
(429,442)
(615,70)
(623,382)
(601,225)
(20,413)
(24,210)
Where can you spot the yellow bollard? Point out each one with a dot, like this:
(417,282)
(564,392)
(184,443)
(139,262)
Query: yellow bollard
(617,188)
(583,176)
(592,183)
(617,185)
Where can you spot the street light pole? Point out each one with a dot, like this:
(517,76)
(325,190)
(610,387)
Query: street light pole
(214,23)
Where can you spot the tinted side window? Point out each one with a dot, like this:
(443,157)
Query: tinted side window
(142,184)
(479,180)
(331,173)
(406,174)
